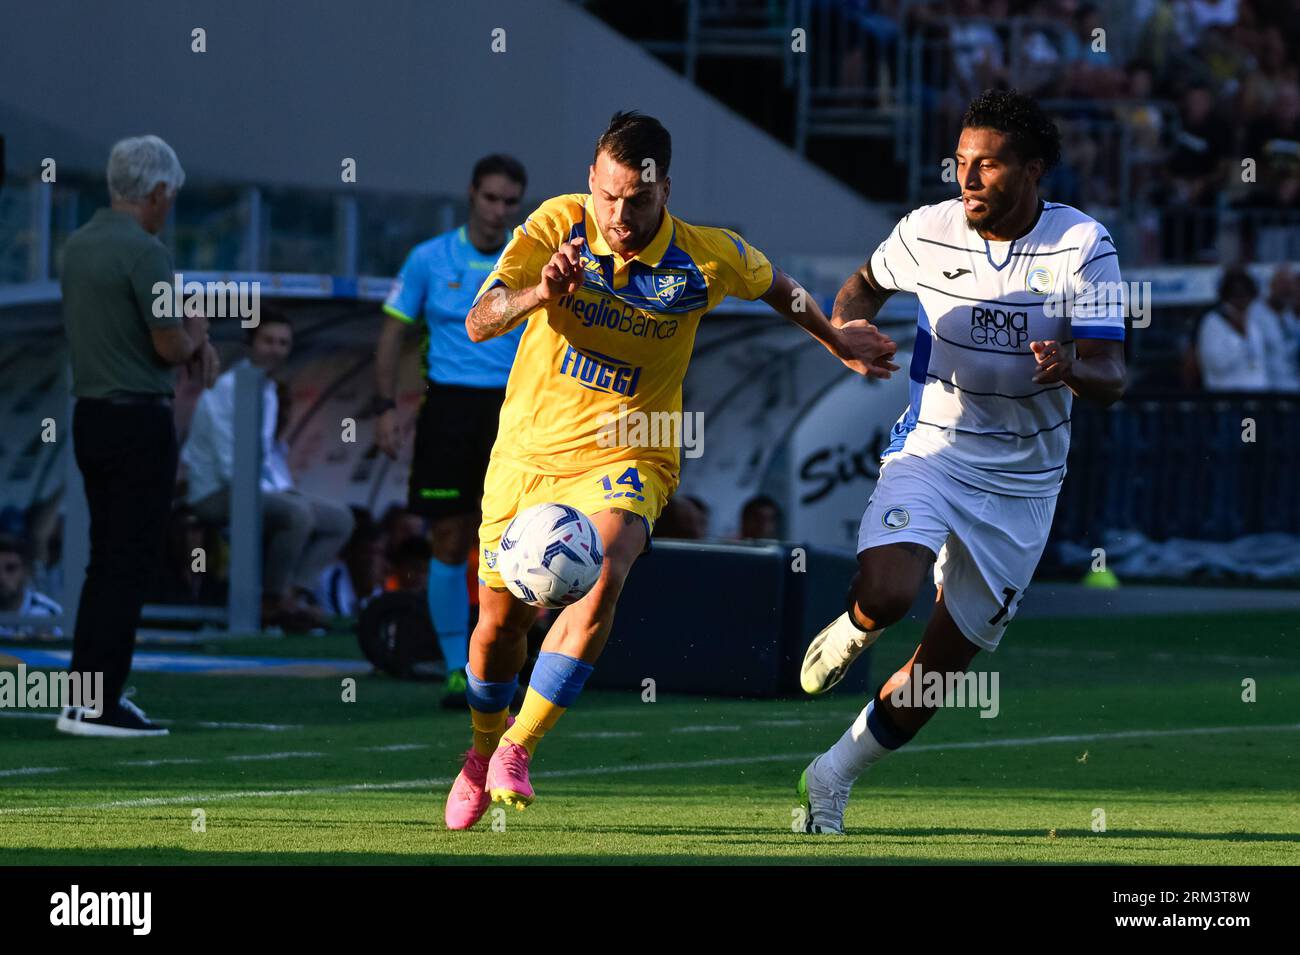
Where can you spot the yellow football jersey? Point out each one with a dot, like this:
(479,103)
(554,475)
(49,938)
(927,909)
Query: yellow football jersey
(620,344)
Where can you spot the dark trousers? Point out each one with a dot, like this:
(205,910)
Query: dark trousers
(127,456)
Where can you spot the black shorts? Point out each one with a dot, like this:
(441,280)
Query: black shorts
(453,441)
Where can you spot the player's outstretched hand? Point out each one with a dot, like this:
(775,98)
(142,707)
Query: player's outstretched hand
(866,349)
(1054,362)
(388,433)
(563,274)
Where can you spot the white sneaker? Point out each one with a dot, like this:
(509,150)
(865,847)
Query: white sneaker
(823,801)
(123,720)
(831,652)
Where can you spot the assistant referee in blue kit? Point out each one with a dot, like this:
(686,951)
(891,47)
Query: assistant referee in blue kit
(466,385)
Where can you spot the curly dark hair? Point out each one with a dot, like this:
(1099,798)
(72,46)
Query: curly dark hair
(1031,132)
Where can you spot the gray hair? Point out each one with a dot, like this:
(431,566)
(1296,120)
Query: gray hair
(138,164)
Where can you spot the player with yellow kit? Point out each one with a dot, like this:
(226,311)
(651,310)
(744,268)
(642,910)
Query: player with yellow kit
(612,288)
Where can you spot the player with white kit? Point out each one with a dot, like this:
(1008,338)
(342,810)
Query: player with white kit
(1020,310)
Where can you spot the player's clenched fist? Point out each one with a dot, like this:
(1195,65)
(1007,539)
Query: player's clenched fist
(1054,362)
(563,274)
(866,349)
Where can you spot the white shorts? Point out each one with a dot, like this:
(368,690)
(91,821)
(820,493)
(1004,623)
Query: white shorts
(988,544)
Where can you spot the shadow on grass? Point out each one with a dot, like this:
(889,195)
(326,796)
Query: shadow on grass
(177,857)
(731,845)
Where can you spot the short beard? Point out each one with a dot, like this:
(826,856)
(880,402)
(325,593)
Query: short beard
(988,225)
(634,245)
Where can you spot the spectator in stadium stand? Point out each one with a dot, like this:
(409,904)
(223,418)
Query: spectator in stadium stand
(859,19)
(1196,16)
(17,594)
(1160,40)
(1278,128)
(44,529)
(978,57)
(357,576)
(398,524)
(1223,62)
(680,520)
(1144,124)
(303,532)
(1092,72)
(123,435)
(180,582)
(1232,345)
(760,519)
(705,512)
(1276,314)
(411,564)
(1197,170)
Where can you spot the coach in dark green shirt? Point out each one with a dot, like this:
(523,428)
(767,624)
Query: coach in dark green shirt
(123,360)
(111,267)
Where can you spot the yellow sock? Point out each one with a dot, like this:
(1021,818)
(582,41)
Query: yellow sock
(537,716)
(488,728)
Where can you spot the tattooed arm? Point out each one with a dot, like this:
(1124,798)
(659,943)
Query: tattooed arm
(859,298)
(501,309)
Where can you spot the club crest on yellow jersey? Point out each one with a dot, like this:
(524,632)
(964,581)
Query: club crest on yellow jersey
(669,285)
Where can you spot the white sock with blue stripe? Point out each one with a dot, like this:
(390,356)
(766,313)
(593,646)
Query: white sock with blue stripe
(870,738)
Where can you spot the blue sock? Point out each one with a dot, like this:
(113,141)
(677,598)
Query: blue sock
(489,697)
(559,678)
(449,608)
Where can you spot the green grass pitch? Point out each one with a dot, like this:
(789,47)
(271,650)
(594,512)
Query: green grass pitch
(1184,770)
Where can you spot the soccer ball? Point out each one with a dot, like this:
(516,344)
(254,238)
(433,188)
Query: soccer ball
(550,555)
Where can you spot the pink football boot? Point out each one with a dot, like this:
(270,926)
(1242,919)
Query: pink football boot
(469,798)
(507,776)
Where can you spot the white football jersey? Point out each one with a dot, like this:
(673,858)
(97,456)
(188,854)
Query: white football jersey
(974,406)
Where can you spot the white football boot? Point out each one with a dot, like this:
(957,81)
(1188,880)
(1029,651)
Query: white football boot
(831,653)
(823,801)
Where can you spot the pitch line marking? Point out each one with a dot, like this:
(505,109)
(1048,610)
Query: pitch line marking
(203,724)
(260,757)
(640,768)
(270,727)
(1064,653)
(708,728)
(32,770)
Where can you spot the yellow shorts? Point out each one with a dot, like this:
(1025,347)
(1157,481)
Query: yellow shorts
(642,487)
